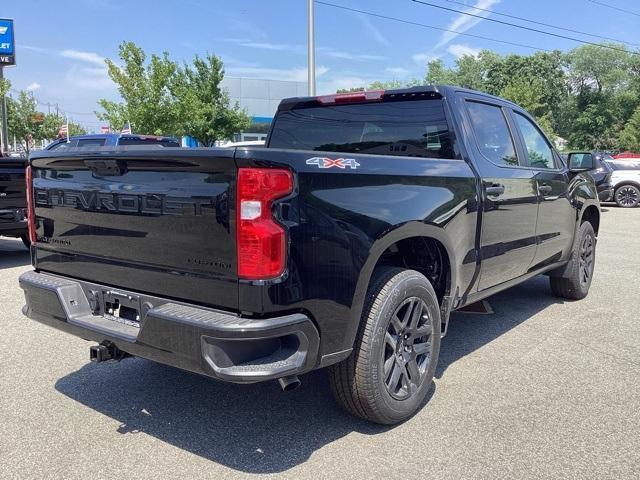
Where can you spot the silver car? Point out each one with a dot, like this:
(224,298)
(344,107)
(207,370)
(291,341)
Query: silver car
(625,180)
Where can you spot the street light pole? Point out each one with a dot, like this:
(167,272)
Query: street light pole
(312,51)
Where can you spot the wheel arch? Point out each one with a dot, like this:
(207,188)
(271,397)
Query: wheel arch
(402,236)
(591,214)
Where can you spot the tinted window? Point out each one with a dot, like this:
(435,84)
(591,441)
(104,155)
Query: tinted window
(414,128)
(91,142)
(538,150)
(61,146)
(582,160)
(492,133)
(165,142)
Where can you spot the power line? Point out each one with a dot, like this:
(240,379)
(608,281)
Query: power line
(536,22)
(613,7)
(432,27)
(565,37)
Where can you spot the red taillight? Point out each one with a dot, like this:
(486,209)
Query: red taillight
(261,241)
(31,214)
(371,95)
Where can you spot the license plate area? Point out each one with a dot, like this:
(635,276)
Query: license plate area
(121,307)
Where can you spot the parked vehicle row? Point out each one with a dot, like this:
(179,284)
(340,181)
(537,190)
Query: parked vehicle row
(13,199)
(616,180)
(111,140)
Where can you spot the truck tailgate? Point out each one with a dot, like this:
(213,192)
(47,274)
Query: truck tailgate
(158,222)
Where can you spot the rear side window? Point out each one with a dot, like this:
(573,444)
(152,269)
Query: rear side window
(165,142)
(492,133)
(412,128)
(538,149)
(91,142)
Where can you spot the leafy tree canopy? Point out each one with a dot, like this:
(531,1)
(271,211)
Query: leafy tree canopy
(161,97)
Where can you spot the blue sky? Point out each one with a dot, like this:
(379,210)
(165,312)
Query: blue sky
(61,45)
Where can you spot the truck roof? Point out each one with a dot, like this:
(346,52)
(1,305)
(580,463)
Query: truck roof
(442,91)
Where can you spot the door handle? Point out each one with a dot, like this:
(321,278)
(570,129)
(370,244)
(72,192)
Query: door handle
(494,190)
(545,189)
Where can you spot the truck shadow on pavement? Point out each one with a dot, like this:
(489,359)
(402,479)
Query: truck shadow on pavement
(469,332)
(13,253)
(257,428)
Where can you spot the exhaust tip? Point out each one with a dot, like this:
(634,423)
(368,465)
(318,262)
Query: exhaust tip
(290,383)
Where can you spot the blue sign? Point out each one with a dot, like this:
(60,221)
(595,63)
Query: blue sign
(7,44)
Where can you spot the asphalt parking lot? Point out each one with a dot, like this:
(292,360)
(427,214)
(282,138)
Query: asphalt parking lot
(540,389)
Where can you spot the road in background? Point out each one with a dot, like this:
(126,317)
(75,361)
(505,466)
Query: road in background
(540,389)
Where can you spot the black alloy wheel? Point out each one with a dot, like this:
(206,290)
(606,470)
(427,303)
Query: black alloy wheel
(587,254)
(627,196)
(407,351)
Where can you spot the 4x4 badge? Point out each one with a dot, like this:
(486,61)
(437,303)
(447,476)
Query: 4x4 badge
(324,162)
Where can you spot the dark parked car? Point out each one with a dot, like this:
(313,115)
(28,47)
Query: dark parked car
(599,169)
(13,199)
(111,140)
(344,243)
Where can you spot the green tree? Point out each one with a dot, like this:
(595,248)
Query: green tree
(438,74)
(630,136)
(146,90)
(204,109)
(24,120)
(350,90)
(160,97)
(5,86)
(51,126)
(530,95)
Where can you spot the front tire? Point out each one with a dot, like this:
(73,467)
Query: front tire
(575,284)
(389,373)
(627,196)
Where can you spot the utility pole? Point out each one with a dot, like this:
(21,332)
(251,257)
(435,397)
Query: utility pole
(4,133)
(311,50)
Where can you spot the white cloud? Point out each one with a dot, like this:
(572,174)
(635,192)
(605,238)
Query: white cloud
(90,57)
(32,87)
(298,74)
(299,49)
(398,71)
(278,47)
(423,58)
(360,57)
(373,30)
(89,78)
(459,50)
(462,22)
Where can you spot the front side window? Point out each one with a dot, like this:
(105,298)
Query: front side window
(492,133)
(538,150)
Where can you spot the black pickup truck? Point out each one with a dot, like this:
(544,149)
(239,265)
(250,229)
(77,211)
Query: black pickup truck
(344,243)
(13,198)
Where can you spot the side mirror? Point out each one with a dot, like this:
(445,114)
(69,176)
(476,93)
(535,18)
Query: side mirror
(580,161)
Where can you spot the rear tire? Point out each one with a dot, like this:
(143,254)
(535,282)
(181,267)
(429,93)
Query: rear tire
(627,196)
(389,373)
(575,284)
